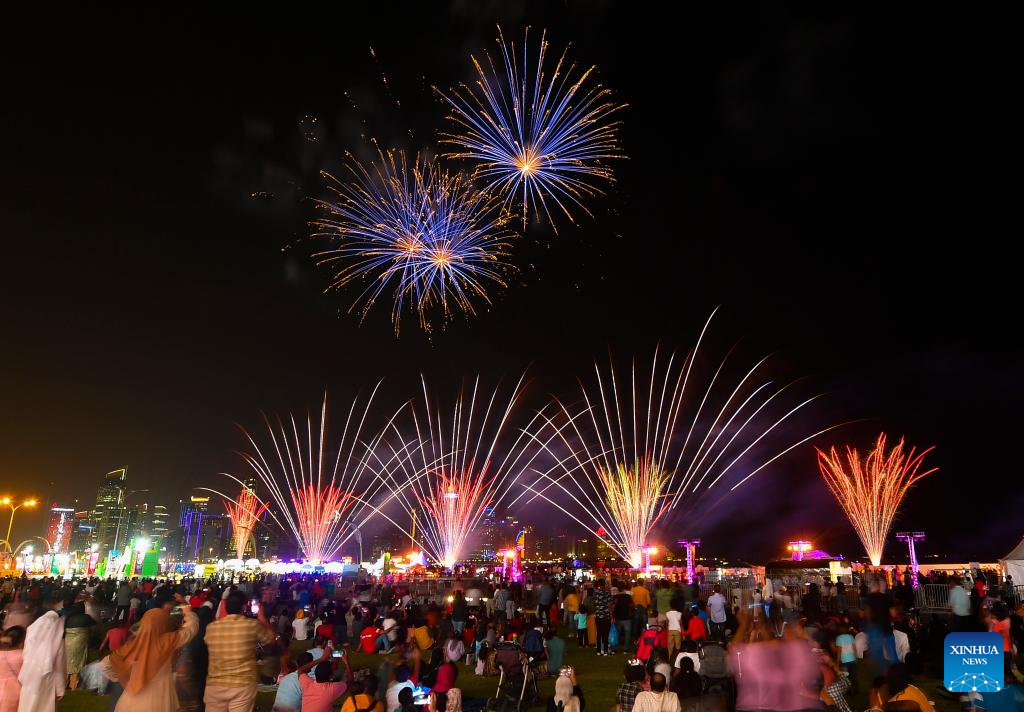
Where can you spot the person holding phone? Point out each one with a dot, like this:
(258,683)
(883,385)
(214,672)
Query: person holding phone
(320,692)
(232,677)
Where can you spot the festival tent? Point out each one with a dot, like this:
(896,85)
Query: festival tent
(1013,564)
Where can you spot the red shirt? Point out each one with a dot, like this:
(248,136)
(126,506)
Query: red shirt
(117,636)
(695,629)
(368,639)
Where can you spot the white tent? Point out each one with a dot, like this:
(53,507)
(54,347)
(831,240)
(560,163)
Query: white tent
(1013,564)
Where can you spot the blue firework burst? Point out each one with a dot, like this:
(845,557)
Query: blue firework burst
(533,138)
(423,237)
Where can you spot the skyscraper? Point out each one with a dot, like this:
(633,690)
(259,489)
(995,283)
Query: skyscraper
(156,527)
(108,514)
(187,508)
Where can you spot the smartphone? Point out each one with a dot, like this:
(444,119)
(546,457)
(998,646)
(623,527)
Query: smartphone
(254,606)
(338,654)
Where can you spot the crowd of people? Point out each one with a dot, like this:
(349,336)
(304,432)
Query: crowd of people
(161,646)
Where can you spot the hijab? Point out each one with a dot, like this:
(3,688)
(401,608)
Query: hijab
(564,696)
(141,658)
(43,641)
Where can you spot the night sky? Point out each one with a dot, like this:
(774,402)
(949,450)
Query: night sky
(844,185)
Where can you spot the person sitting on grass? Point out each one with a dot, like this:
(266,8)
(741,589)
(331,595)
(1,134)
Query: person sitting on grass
(556,650)
(900,688)
(625,694)
(320,692)
(361,699)
(687,685)
(289,692)
(568,695)
(658,698)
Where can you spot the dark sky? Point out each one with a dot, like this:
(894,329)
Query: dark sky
(846,185)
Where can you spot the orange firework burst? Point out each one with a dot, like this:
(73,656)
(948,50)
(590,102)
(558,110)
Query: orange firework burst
(454,464)
(452,502)
(871,489)
(244,513)
(318,510)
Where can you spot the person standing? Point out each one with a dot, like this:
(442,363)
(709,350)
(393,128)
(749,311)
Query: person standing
(77,624)
(674,621)
(623,612)
(580,621)
(144,664)
(716,611)
(43,674)
(601,604)
(231,642)
(124,599)
(460,612)
(960,602)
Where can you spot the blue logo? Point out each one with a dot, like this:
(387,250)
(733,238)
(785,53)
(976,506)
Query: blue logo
(973,662)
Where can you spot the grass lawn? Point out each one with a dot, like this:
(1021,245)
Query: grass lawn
(598,676)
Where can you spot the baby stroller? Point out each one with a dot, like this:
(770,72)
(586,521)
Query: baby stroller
(517,683)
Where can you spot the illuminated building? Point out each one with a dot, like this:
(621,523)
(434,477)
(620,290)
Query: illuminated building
(156,526)
(108,514)
(58,533)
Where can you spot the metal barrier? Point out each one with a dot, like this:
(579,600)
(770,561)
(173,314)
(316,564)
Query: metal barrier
(932,597)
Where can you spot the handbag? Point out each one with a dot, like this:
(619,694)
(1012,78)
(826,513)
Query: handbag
(613,637)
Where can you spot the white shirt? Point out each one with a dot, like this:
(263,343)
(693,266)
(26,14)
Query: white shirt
(860,644)
(717,605)
(902,644)
(648,701)
(299,626)
(674,620)
(767,590)
(692,656)
(390,626)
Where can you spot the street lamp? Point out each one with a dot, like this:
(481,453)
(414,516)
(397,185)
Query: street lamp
(8,502)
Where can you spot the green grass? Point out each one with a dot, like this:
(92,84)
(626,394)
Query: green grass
(598,676)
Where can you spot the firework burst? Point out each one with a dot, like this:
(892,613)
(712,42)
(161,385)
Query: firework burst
(425,238)
(244,513)
(870,489)
(535,138)
(638,447)
(453,468)
(322,504)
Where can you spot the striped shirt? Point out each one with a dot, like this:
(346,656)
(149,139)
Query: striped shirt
(232,645)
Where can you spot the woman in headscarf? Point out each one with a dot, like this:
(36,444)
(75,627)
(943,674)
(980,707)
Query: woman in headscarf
(76,638)
(143,664)
(43,673)
(568,695)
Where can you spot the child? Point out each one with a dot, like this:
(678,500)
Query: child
(581,626)
(847,655)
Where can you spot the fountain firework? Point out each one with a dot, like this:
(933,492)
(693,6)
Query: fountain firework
(321,504)
(453,469)
(871,489)
(244,513)
(633,452)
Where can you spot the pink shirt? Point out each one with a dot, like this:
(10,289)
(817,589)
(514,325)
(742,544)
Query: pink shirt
(774,676)
(319,696)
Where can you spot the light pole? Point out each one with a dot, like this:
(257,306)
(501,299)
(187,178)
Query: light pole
(124,511)
(7,502)
(911,538)
(691,553)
